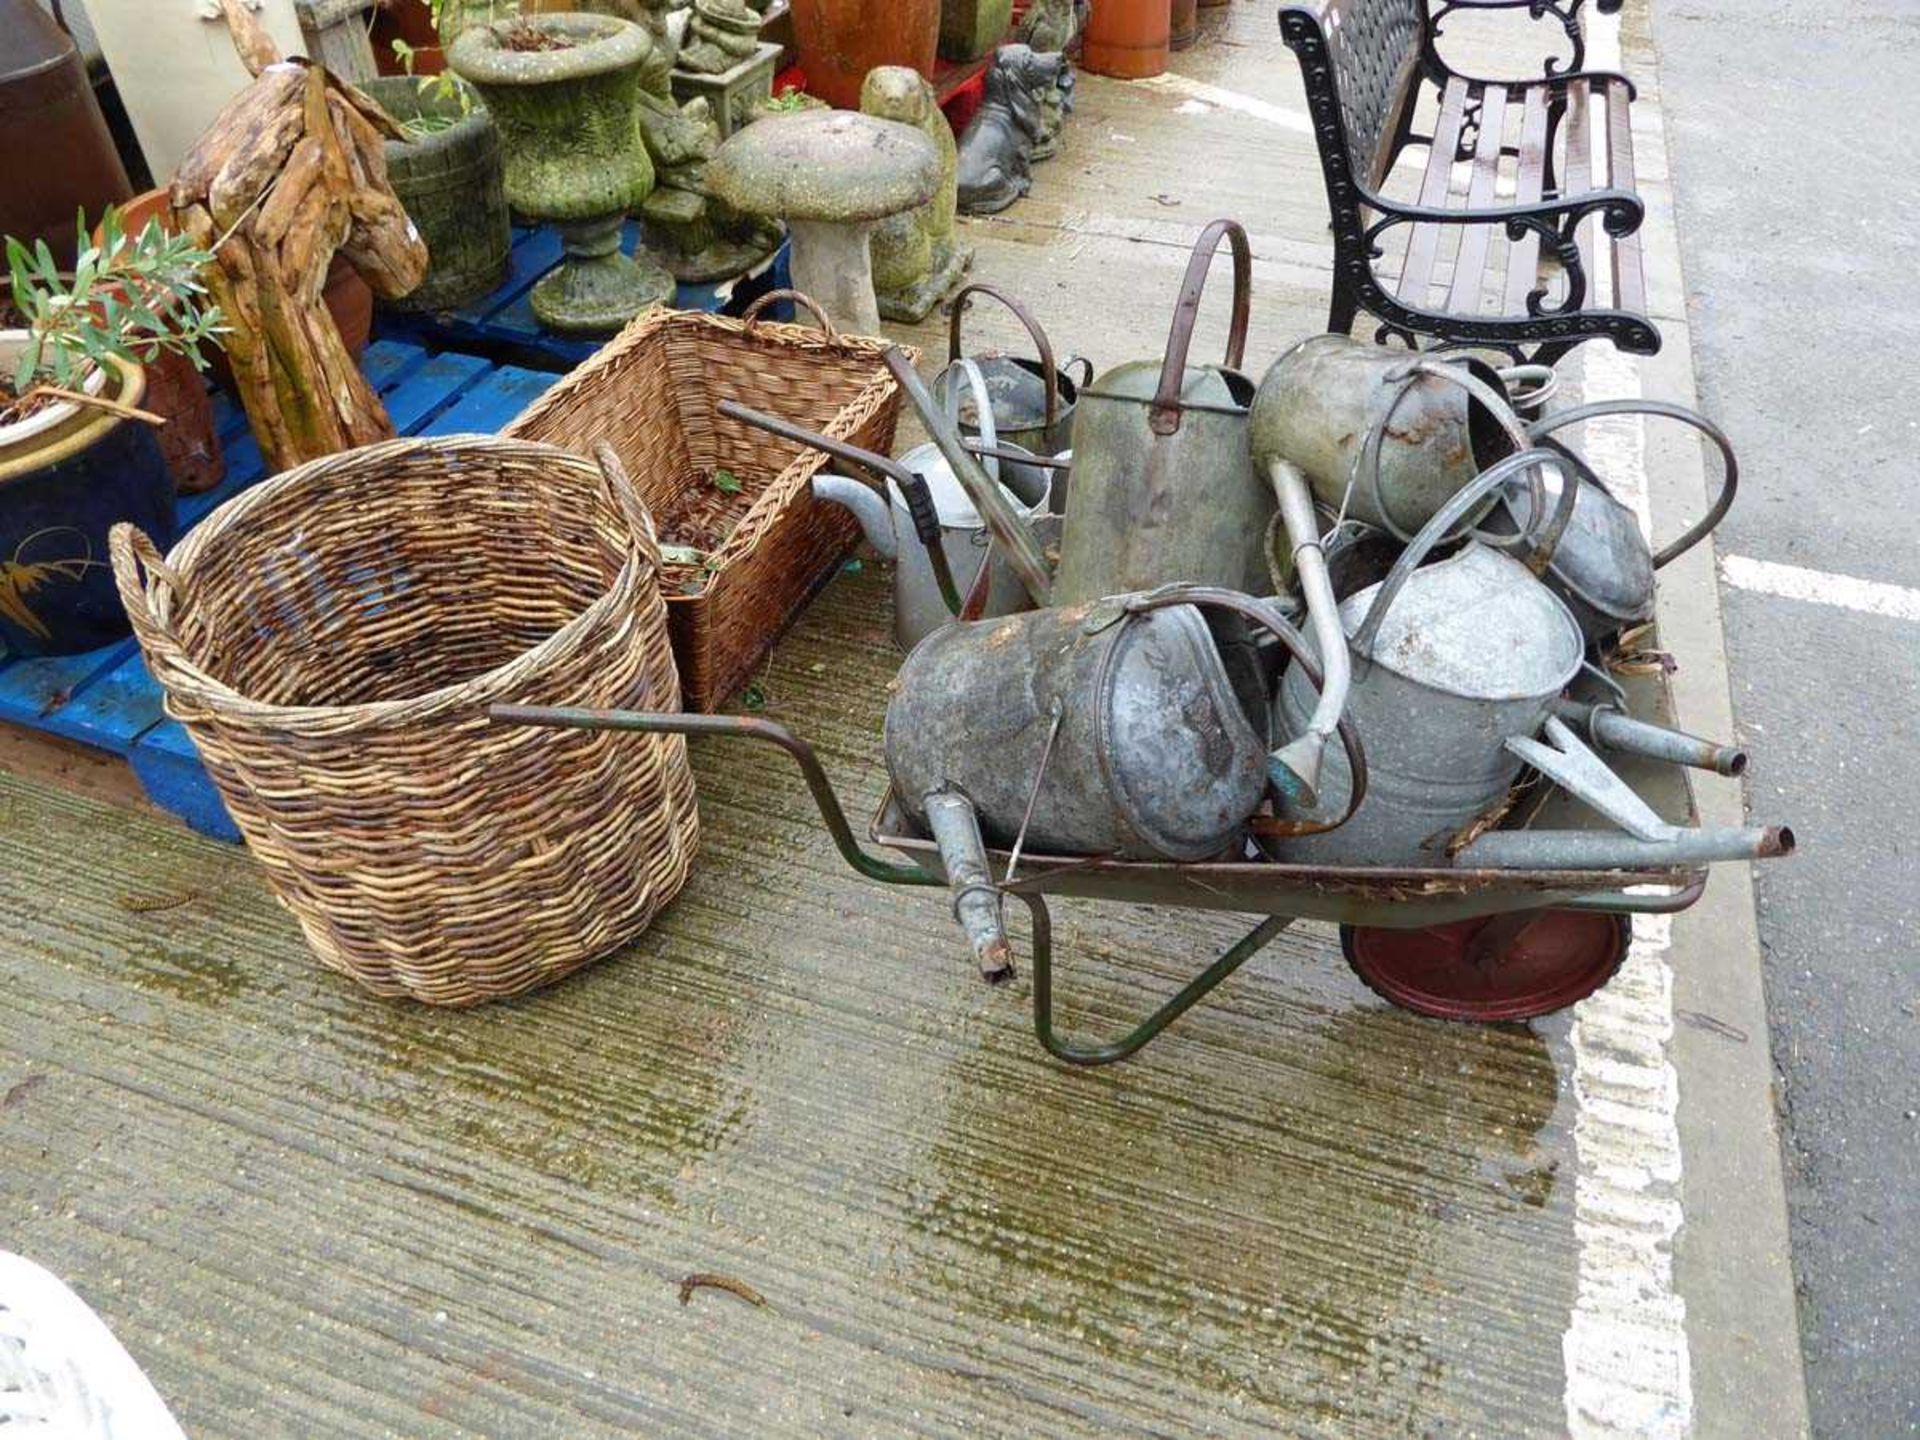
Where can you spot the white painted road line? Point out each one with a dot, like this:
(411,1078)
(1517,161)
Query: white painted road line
(1818,587)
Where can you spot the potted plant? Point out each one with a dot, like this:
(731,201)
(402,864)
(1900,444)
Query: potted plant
(447,173)
(77,453)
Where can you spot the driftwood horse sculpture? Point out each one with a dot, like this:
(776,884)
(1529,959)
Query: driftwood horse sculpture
(292,170)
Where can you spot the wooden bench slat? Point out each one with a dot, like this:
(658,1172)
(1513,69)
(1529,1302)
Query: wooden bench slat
(1416,274)
(1629,274)
(1470,262)
(1576,174)
(1523,255)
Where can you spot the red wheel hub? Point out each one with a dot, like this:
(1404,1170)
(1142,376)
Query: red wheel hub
(1499,967)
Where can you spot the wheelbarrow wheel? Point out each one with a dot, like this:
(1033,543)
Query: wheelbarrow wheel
(1498,967)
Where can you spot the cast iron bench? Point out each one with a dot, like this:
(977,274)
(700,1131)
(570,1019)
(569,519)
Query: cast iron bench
(1364,63)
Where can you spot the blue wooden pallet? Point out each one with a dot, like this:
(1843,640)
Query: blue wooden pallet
(502,325)
(107,700)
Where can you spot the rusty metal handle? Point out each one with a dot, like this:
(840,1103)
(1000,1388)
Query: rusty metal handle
(912,488)
(1462,500)
(661,722)
(1729,462)
(1164,417)
(1456,373)
(1042,346)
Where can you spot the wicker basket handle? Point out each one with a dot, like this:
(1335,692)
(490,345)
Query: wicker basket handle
(137,564)
(752,312)
(627,500)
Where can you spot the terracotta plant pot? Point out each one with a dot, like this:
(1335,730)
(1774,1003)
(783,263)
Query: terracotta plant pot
(450,182)
(61,491)
(841,40)
(1127,39)
(60,157)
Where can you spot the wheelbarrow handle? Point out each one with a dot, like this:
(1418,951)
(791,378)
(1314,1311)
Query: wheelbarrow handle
(913,489)
(746,727)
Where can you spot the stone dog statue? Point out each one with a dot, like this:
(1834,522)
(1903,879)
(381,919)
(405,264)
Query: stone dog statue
(998,150)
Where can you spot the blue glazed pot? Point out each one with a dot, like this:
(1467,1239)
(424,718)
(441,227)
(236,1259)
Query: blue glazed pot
(60,493)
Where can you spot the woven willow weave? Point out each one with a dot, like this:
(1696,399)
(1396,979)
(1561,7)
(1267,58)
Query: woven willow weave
(332,639)
(652,394)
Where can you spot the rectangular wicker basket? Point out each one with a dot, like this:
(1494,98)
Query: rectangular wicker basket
(653,394)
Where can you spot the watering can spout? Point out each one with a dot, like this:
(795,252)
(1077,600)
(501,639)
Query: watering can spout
(1294,769)
(976,899)
(876,522)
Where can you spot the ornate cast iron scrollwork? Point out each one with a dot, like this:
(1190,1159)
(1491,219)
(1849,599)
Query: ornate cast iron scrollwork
(1567,12)
(1348,131)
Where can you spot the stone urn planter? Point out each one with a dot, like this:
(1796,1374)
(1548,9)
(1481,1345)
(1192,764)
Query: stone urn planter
(453,186)
(564,91)
(841,40)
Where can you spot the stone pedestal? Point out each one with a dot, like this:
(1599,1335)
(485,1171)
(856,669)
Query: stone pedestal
(731,94)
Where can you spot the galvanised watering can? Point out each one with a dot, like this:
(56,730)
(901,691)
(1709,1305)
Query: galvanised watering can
(1055,724)
(1448,662)
(890,526)
(1602,566)
(1163,488)
(1033,401)
(1382,436)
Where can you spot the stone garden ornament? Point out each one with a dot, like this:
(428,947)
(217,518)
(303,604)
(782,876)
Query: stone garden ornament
(1017,123)
(722,34)
(916,263)
(830,174)
(564,90)
(698,238)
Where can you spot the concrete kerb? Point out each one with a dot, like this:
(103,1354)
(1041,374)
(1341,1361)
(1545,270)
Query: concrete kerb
(1733,1264)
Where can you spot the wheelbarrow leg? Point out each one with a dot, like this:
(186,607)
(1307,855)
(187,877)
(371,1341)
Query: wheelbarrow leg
(1231,960)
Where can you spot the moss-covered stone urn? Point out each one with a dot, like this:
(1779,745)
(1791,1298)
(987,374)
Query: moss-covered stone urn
(564,90)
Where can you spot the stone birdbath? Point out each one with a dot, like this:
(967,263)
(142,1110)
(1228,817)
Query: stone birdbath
(563,89)
(830,174)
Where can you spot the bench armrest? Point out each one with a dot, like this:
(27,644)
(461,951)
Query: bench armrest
(1620,211)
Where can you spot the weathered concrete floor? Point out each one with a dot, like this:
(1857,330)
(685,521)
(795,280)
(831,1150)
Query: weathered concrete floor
(310,1212)
(307,1212)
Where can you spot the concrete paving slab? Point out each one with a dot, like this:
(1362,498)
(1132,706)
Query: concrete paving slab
(308,1212)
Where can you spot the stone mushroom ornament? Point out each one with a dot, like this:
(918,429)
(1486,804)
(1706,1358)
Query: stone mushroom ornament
(830,174)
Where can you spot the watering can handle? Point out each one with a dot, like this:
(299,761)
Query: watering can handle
(982,412)
(1050,377)
(1729,463)
(1266,614)
(1458,504)
(1367,463)
(1165,414)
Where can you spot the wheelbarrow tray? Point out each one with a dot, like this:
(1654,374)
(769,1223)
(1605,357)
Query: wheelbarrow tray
(1390,897)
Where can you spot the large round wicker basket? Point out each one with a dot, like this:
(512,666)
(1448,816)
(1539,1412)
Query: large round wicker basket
(332,639)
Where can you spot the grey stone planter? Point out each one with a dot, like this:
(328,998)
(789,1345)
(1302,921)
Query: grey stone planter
(453,187)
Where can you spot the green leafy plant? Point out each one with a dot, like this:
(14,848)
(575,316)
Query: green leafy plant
(726,482)
(791,97)
(129,298)
(446,86)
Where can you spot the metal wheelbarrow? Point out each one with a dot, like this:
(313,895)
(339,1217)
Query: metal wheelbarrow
(1469,916)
